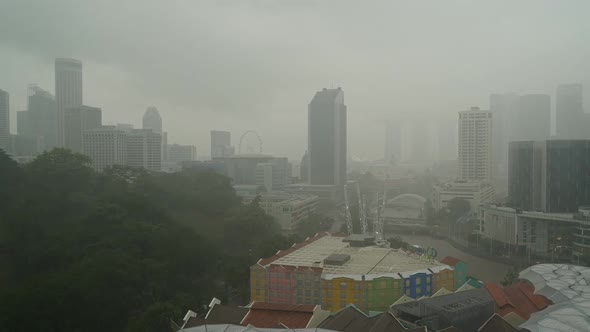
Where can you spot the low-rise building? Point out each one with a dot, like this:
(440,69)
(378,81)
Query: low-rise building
(475,192)
(537,233)
(335,272)
(287,209)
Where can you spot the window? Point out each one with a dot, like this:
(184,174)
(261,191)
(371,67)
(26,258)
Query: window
(287,275)
(428,279)
(418,291)
(316,293)
(280,275)
(329,285)
(342,285)
(383,284)
(428,289)
(407,283)
(418,281)
(329,293)
(444,276)
(258,292)
(307,292)
(407,292)
(342,295)
(357,295)
(280,286)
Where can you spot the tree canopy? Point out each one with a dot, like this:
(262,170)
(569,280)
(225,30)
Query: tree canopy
(122,250)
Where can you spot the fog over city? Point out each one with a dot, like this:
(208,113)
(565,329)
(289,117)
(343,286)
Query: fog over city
(255,65)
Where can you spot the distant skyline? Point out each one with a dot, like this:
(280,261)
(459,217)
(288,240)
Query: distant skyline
(238,66)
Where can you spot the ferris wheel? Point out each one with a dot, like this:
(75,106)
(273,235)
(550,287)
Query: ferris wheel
(250,143)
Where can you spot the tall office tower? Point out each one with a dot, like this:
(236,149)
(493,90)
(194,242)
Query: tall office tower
(549,176)
(68,92)
(327,138)
(178,153)
(41,117)
(304,170)
(393,141)
(446,134)
(76,121)
(4,121)
(221,144)
(475,144)
(569,109)
(533,119)
(144,149)
(152,119)
(504,108)
(105,146)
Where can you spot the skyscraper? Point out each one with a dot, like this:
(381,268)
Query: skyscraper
(144,149)
(504,108)
(393,141)
(68,91)
(549,176)
(4,121)
(327,138)
(105,146)
(475,145)
(446,134)
(569,109)
(152,119)
(41,118)
(76,121)
(221,144)
(533,118)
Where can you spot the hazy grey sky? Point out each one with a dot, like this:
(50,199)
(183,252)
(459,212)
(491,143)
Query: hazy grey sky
(254,65)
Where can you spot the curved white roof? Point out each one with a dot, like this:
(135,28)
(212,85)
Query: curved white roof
(568,287)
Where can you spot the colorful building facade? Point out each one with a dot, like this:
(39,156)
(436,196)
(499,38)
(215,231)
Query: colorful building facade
(334,289)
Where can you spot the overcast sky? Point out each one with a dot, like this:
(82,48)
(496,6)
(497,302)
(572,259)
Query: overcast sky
(254,65)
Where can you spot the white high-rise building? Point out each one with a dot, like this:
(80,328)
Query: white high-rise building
(475,145)
(144,149)
(4,121)
(105,146)
(68,91)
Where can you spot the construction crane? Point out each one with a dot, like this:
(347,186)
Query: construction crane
(362,211)
(379,240)
(347,215)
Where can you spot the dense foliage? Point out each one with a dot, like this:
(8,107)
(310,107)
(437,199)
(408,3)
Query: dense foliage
(122,250)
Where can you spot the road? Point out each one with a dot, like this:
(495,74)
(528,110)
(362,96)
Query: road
(478,267)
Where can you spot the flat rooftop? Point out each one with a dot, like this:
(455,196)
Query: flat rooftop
(370,261)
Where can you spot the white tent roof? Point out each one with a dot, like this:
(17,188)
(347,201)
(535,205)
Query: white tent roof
(568,287)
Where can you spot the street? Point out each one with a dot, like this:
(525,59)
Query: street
(477,267)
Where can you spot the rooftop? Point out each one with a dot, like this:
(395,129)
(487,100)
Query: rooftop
(372,261)
(294,316)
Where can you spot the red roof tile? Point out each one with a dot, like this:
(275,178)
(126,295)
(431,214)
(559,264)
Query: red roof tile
(268,315)
(452,261)
(498,294)
(517,298)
